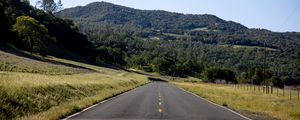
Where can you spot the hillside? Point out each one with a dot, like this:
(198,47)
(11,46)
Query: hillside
(154,40)
(147,19)
(54,64)
(35,87)
(47,70)
(60,33)
(146,23)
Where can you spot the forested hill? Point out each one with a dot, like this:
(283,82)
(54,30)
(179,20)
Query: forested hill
(185,44)
(168,25)
(39,31)
(152,19)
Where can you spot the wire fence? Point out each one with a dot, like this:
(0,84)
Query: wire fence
(288,92)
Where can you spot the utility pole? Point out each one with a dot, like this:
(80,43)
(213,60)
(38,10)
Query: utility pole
(264,66)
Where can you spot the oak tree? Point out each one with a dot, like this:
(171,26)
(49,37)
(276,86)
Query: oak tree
(34,35)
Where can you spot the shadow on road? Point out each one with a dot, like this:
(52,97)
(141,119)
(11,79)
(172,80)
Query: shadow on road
(156,79)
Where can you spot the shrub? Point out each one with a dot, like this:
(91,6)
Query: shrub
(213,74)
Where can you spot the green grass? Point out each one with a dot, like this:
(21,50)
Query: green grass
(204,29)
(14,63)
(252,103)
(46,91)
(174,35)
(253,47)
(248,47)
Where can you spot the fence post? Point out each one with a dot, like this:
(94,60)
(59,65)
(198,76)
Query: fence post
(271,89)
(277,91)
(290,93)
(298,94)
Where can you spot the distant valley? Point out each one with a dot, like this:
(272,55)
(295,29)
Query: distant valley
(204,40)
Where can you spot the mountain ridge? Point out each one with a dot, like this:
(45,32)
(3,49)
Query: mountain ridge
(143,39)
(149,23)
(103,9)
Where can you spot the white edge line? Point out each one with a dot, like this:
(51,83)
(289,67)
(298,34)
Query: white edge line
(96,105)
(216,104)
(83,110)
(101,102)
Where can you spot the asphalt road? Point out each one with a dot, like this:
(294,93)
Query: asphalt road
(157,100)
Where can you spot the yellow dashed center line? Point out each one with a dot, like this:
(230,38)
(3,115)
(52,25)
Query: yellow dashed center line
(159,101)
(160,110)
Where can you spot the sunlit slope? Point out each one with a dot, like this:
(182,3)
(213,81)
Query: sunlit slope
(53,88)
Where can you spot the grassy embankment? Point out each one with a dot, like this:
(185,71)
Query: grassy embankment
(52,88)
(254,104)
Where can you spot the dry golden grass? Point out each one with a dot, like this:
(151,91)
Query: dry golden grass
(249,102)
(43,96)
(27,93)
(14,63)
(252,47)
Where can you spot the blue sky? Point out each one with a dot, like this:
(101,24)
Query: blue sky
(275,15)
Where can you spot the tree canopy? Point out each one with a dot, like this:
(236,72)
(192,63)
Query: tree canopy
(215,73)
(35,36)
(50,6)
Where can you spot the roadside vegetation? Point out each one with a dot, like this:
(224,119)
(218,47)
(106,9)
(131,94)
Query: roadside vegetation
(16,63)
(36,85)
(254,104)
(35,89)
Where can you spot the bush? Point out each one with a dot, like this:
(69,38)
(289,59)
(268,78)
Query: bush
(276,81)
(256,76)
(213,74)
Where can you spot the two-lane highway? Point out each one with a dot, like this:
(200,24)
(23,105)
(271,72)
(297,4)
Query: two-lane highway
(157,100)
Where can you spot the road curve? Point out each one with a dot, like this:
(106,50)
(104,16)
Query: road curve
(157,100)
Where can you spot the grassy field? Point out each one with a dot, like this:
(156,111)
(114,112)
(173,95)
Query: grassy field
(14,63)
(254,104)
(253,47)
(248,47)
(40,90)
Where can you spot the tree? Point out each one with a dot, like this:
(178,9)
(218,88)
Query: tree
(276,81)
(34,35)
(4,29)
(59,6)
(50,6)
(26,2)
(161,65)
(213,74)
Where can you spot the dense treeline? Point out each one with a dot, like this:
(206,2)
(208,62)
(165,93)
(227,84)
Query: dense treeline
(206,28)
(188,45)
(185,57)
(62,33)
